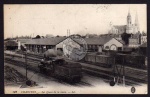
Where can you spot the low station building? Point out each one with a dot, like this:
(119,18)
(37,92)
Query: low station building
(42,44)
(96,44)
(93,44)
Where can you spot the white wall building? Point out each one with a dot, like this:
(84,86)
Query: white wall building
(69,48)
(143,39)
(113,44)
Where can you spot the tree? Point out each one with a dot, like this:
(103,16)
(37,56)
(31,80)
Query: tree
(125,37)
(38,36)
(49,35)
(143,33)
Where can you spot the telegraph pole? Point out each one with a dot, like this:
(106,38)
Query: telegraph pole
(26,65)
(123,72)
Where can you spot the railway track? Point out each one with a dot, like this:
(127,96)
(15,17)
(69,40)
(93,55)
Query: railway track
(105,74)
(32,55)
(35,70)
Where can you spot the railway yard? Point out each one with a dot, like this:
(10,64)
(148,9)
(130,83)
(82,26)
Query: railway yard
(95,78)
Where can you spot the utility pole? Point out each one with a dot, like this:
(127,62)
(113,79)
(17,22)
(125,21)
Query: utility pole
(26,65)
(123,72)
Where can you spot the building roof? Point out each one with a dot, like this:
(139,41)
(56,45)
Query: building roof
(137,35)
(144,45)
(46,41)
(95,41)
(121,41)
(121,28)
(56,40)
(23,40)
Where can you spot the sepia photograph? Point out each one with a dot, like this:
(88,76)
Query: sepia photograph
(75,49)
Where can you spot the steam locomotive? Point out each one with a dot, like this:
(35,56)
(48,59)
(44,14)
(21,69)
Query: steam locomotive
(60,68)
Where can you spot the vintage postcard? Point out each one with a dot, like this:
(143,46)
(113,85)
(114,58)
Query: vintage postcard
(75,49)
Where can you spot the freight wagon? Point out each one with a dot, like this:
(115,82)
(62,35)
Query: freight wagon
(137,61)
(102,60)
(106,60)
(90,58)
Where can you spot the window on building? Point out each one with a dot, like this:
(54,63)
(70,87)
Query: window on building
(119,48)
(60,49)
(107,47)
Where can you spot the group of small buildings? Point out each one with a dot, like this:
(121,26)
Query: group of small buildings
(93,44)
(110,41)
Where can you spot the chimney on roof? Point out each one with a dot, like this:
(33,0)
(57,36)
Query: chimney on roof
(68,32)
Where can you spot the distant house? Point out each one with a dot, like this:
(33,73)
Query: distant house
(69,47)
(96,44)
(143,39)
(67,41)
(114,44)
(135,40)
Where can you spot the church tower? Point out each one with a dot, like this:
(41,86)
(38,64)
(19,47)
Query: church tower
(136,25)
(129,23)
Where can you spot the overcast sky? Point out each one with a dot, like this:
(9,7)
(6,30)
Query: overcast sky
(79,18)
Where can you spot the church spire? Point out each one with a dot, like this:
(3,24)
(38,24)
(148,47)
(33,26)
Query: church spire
(136,21)
(129,12)
(129,22)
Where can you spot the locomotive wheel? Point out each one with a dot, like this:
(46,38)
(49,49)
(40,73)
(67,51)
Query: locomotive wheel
(77,79)
(41,70)
(112,83)
(49,73)
(28,82)
(45,71)
(74,80)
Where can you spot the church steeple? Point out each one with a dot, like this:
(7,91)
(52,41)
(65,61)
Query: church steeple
(129,12)
(129,22)
(136,22)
